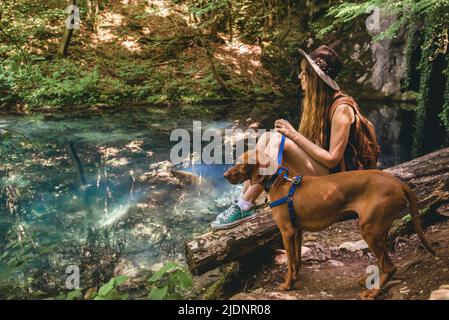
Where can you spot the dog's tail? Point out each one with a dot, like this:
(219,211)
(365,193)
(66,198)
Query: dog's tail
(414,213)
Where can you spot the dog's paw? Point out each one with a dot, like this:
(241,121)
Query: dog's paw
(369,294)
(285,286)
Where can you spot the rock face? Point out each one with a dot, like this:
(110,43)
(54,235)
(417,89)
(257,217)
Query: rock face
(372,70)
(441,294)
(388,57)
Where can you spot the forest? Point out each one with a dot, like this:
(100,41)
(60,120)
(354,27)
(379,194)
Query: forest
(92,208)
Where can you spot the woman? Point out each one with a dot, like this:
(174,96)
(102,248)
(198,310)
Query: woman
(318,146)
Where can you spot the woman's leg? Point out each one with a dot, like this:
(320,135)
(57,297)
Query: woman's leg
(250,192)
(295,159)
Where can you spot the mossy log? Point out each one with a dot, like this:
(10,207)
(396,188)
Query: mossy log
(427,175)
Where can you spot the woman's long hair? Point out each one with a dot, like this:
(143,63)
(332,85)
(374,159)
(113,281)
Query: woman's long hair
(317,100)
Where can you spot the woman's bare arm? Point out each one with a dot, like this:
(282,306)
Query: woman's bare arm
(341,124)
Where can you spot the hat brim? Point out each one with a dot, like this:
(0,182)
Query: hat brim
(329,81)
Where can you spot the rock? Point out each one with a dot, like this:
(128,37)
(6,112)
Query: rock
(441,294)
(158,195)
(156,267)
(389,63)
(227,274)
(186,178)
(222,202)
(262,295)
(335,263)
(353,246)
(309,237)
(127,268)
(281,256)
(305,251)
(325,294)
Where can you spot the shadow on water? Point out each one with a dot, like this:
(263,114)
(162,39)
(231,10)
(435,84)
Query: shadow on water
(116,172)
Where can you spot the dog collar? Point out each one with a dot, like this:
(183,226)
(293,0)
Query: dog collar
(267,185)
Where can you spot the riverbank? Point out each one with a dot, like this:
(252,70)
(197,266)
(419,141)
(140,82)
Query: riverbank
(330,272)
(144,53)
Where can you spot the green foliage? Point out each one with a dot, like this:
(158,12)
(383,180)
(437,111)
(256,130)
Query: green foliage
(58,83)
(109,291)
(444,115)
(412,56)
(169,282)
(434,27)
(405,11)
(72,295)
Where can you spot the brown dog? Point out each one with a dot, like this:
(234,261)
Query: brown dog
(375,196)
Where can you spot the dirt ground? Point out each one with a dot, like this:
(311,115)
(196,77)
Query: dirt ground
(332,273)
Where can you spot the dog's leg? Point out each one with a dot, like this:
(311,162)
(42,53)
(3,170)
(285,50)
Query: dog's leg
(298,246)
(288,237)
(376,239)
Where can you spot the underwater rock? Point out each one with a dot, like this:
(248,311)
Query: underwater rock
(222,203)
(186,178)
(158,194)
(165,172)
(128,268)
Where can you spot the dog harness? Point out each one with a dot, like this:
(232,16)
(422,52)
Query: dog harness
(295,183)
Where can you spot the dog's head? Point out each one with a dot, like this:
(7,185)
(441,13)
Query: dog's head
(247,168)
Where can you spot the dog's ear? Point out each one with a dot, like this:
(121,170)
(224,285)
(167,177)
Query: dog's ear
(256,177)
(260,158)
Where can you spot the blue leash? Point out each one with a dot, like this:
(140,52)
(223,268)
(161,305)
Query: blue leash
(295,183)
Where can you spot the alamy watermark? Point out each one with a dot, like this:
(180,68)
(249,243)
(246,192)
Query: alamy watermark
(72,282)
(73,21)
(373,280)
(373,21)
(223,146)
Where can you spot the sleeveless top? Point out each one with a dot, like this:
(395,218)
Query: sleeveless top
(349,154)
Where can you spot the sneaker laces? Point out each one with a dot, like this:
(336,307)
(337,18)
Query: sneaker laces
(229,211)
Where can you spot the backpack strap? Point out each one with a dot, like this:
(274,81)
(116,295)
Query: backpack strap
(339,99)
(342,100)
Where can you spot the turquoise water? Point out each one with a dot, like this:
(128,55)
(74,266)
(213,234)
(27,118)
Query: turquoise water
(49,199)
(45,203)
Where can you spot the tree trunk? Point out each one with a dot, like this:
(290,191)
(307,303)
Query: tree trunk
(270,13)
(65,42)
(216,75)
(427,175)
(92,14)
(231,22)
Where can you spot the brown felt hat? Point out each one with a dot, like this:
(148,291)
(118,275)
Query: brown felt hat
(327,64)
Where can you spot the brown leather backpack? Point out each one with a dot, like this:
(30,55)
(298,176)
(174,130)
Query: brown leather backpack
(364,144)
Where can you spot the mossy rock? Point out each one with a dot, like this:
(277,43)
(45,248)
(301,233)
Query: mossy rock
(211,285)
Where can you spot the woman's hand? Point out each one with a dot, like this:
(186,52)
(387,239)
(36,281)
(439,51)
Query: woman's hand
(284,127)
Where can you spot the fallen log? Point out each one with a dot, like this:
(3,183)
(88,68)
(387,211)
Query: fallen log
(427,175)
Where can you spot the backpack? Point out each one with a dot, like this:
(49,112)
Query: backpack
(364,143)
